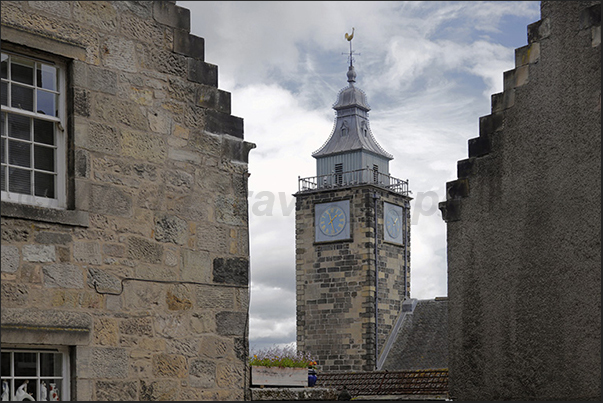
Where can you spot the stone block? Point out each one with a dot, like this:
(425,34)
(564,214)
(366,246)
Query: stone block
(118,53)
(185,347)
(13,294)
(106,332)
(53,238)
(143,146)
(99,14)
(110,200)
(137,326)
(116,390)
(202,72)
(166,390)
(231,210)
(215,347)
(231,271)
(196,265)
(103,281)
(63,275)
(144,250)
(46,318)
(170,366)
(117,111)
(81,102)
(178,299)
(10,258)
(189,45)
(102,362)
(230,375)
(103,80)
(171,229)
(58,8)
(236,150)
(231,323)
(184,156)
(222,123)
(202,373)
(103,138)
(216,297)
(87,252)
(171,15)
(173,325)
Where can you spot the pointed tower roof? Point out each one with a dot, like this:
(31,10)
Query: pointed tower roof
(351,131)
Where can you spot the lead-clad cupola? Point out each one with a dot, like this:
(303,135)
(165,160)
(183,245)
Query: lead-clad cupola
(351,145)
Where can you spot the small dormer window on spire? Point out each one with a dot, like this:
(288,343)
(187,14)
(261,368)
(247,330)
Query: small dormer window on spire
(344,129)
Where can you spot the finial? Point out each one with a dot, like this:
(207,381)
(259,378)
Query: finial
(351,73)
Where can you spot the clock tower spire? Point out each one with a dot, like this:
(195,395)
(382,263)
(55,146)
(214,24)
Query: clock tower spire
(352,243)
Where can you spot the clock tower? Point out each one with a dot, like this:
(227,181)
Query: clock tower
(352,233)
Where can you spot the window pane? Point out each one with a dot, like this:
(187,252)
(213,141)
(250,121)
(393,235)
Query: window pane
(3,150)
(4,94)
(25,364)
(2,124)
(47,77)
(4,65)
(3,179)
(19,181)
(44,185)
(18,127)
(22,70)
(5,356)
(22,97)
(46,103)
(19,153)
(43,131)
(44,158)
(55,389)
(51,364)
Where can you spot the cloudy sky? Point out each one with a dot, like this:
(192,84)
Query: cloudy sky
(428,69)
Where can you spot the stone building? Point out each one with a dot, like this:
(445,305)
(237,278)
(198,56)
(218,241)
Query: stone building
(352,227)
(124,207)
(524,224)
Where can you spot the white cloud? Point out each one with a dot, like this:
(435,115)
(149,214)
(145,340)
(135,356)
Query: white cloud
(429,70)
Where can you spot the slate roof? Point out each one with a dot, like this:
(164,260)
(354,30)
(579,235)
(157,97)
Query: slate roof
(422,341)
(422,382)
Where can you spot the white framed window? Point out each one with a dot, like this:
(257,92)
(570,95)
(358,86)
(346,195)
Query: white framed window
(33,139)
(35,374)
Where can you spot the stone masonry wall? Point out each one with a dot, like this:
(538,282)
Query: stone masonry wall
(524,224)
(145,274)
(336,282)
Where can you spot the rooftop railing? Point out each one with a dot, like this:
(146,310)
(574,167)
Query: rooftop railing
(365,176)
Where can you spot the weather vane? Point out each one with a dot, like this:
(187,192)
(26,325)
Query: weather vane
(349,37)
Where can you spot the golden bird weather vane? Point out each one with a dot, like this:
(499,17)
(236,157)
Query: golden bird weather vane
(349,37)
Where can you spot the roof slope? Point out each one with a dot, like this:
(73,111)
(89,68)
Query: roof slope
(422,341)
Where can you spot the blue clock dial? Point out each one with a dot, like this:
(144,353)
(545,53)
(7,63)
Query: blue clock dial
(332,221)
(393,224)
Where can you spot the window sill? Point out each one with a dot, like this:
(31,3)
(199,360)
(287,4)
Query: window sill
(27,212)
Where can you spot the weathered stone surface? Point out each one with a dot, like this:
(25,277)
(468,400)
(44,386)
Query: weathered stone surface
(106,332)
(144,250)
(103,281)
(230,323)
(99,14)
(173,325)
(103,138)
(116,391)
(217,297)
(228,375)
(63,275)
(58,8)
(10,258)
(143,146)
(231,271)
(102,80)
(55,238)
(38,253)
(110,200)
(231,210)
(196,265)
(127,113)
(202,373)
(171,229)
(14,294)
(158,390)
(178,299)
(103,362)
(137,326)
(186,347)
(15,233)
(215,347)
(87,252)
(46,318)
(170,366)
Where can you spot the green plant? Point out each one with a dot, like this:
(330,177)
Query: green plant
(286,357)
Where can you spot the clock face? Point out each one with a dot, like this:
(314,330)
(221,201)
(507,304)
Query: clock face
(394,227)
(332,221)
(393,223)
